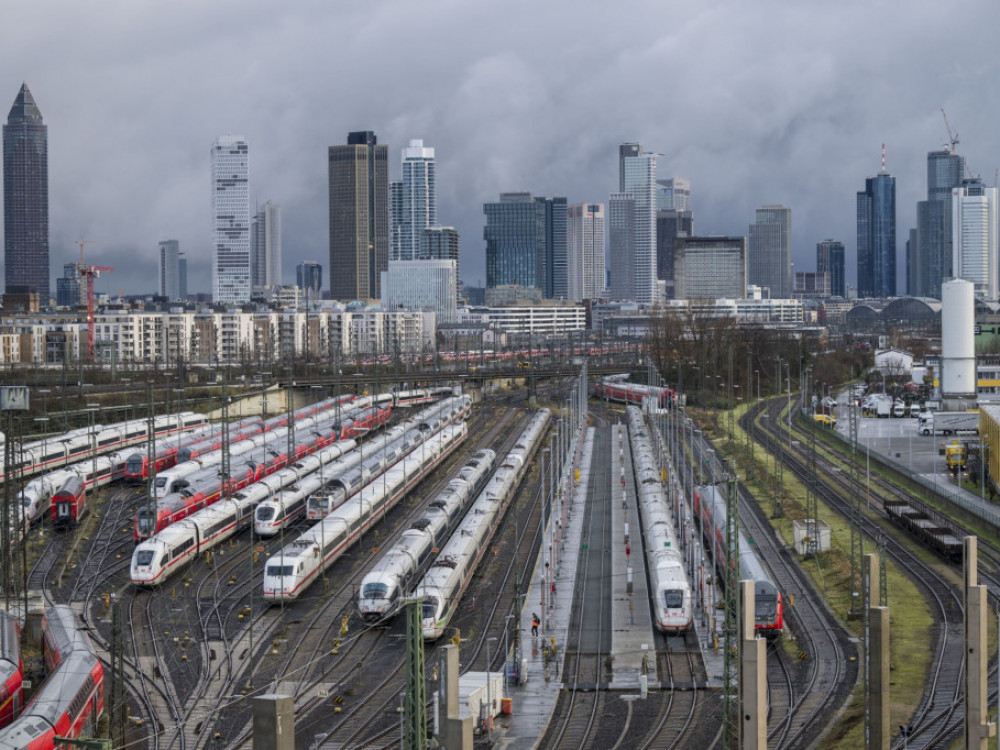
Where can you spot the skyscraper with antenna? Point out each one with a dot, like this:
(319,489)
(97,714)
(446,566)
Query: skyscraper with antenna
(876,217)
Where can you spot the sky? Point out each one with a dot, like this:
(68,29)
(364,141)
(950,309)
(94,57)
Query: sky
(755,103)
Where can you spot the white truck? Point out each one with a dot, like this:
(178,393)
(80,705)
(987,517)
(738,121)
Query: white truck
(948,422)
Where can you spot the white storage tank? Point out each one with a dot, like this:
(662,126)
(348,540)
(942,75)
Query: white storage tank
(958,349)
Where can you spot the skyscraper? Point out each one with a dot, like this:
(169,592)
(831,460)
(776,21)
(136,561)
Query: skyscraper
(414,205)
(974,236)
(265,256)
(769,263)
(230,220)
(932,254)
(182,279)
(69,291)
(359,216)
(169,270)
(876,212)
(673,219)
(309,278)
(26,197)
(640,183)
(625,150)
(552,211)
(710,267)
(514,254)
(830,259)
(439,243)
(621,246)
(584,251)
(673,194)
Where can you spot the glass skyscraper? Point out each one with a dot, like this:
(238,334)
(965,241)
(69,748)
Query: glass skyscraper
(770,258)
(930,260)
(231,219)
(830,259)
(876,212)
(526,243)
(414,201)
(26,197)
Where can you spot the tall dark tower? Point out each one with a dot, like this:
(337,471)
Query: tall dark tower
(26,197)
(359,216)
(877,236)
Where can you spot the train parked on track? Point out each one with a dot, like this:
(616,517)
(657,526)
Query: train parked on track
(11,669)
(710,506)
(71,700)
(937,535)
(386,585)
(452,569)
(293,569)
(614,389)
(669,588)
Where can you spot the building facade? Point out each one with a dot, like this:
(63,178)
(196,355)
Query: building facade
(70,292)
(769,262)
(584,251)
(515,242)
(358,183)
(876,215)
(26,197)
(640,183)
(974,236)
(552,214)
(414,204)
(422,285)
(710,268)
(830,259)
(930,259)
(439,243)
(621,246)
(265,256)
(309,278)
(231,281)
(169,268)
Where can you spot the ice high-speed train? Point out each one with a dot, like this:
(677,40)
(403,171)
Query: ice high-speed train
(292,570)
(710,505)
(160,556)
(668,584)
(386,585)
(452,569)
(71,700)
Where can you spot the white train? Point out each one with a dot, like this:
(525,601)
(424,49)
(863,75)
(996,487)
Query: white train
(396,443)
(385,585)
(669,588)
(157,558)
(452,569)
(293,569)
(60,450)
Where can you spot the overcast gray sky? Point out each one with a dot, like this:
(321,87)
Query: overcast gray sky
(754,102)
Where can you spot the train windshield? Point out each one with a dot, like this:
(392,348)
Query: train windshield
(25,501)
(764,606)
(142,520)
(280,570)
(317,503)
(144,557)
(161,482)
(133,465)
(265,513)
(430,607)
(374,591)
(673,598)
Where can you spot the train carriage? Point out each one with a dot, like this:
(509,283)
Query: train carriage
(69,502)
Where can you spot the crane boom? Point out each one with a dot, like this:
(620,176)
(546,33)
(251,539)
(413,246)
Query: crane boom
(90,272)
(952,138)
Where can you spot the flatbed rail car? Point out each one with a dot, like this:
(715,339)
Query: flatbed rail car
(931,532)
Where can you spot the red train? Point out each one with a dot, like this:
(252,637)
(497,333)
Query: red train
(370,419)
(71,699)
(633,393)
(167,451)
(69,502)
(11,669)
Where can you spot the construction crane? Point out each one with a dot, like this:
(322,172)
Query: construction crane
(952,138)
(90,272)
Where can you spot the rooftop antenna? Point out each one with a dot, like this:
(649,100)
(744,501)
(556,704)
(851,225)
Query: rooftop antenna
(883,158)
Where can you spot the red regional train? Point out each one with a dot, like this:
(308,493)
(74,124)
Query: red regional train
(69,502)
(633,393)
(11,669)
(71,699)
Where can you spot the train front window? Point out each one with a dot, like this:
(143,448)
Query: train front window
(161,482)
(280,570)
(144,557)
(265,513)
(143,521)
(374,591)
(764,606)
(430,607)
(673,598)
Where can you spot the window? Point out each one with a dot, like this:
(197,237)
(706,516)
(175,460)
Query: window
(673,598)
(144,557)
(374,591)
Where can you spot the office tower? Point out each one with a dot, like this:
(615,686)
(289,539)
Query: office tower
(422,285)
(770,258)
(830,259)
(974,236)
(526,242)
(625,151)
(932,254)
(170,270)
(182,279)
(584,251)
(640,183)
(673,194)
(673,219)
(710,267)
(439,243)
(876,212)
(414,200)
(621,246)
(359,216)
(26,197)
(69,291)
(309,278)
(552,211)
(265,255)
(231,220)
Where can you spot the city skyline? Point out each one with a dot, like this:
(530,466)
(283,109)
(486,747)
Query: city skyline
(503,113)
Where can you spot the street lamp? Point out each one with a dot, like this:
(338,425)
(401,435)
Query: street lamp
(489,695)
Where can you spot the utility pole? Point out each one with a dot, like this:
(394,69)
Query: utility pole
(118,704)
(414,709)
(730,669)
(857,540)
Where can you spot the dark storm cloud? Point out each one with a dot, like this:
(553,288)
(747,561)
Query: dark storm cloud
(755,103)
